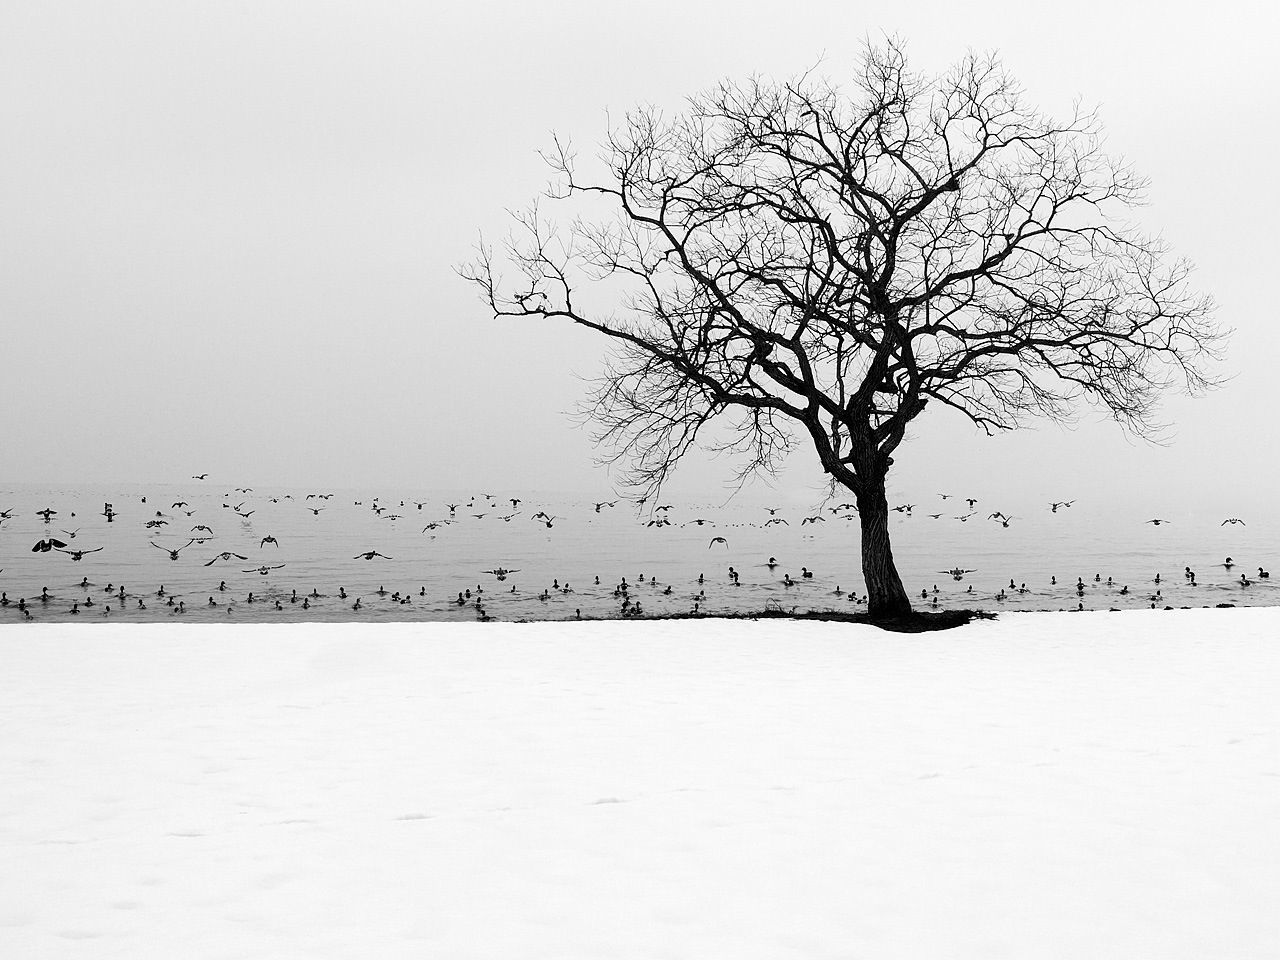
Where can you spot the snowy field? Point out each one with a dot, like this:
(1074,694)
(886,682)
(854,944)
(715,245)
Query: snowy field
(1043,786)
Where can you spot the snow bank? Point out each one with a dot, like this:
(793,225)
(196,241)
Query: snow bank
(1045,785)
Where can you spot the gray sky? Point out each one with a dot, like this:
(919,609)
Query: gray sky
(228,231)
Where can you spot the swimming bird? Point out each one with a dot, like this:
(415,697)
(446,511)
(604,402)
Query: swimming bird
(1233,520)
(1263,574)
(369,555)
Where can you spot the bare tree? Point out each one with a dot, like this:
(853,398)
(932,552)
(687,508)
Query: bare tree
(796,261)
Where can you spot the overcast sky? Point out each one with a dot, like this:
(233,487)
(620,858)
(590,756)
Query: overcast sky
(228,231)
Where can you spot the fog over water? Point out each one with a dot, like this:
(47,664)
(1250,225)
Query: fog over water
(230,237)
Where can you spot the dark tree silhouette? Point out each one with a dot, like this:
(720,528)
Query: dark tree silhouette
(796,261)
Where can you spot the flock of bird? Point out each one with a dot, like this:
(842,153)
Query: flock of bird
(192,529)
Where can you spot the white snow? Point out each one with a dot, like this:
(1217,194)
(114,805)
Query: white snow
(1046,786)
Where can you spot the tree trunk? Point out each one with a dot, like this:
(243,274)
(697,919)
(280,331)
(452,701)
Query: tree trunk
(886,597)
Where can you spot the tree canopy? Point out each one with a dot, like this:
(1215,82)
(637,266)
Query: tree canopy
(806,261)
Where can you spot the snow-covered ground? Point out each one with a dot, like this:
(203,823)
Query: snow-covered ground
(1042,786)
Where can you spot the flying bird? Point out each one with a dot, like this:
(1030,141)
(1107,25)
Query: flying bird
(1158,522)
(173,553)
(227,555)
(266,540)
(44,546)
(715,540)
(79,554)
(369,555)
(1233,520)
(200,476)
(264,569)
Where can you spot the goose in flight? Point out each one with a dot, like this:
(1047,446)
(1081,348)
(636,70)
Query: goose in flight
(269,539)
(1155,522)
(957,573)
(773,520)
(226,555)
(500,572)
(199,476)
(264,569)
(369,555)
(78,554)
(173,553)
(1233,520)
(1060,503)
(817,519)
(44,546)
(715,540)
